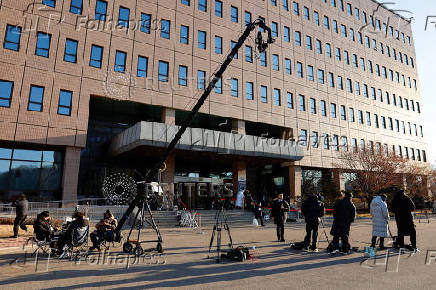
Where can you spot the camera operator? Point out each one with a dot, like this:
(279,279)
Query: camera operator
(312,209)
(279,212)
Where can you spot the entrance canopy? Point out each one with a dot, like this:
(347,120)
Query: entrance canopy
(205,140)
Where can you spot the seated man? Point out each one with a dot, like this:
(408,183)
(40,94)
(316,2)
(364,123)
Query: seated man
(43,227)
(105,230)
(79,222)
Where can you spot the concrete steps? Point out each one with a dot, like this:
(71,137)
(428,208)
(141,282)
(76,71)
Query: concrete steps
(207,217)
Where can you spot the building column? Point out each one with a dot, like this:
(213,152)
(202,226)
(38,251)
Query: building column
(239,176)
(239,166)
(169,117)
(70,174)
(338,179)
(294,182)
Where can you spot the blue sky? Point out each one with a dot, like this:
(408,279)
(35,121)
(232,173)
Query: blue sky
(425,42)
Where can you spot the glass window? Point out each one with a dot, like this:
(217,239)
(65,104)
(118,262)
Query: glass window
(201,78)
(12,37)
(65,98)
(288,66)
(262,58)
(323,108)
(285,5)
(315,139)
(163,71)
(235,88)
(300,69)
(248,53)
(296,8)
(263,94)
(328,49)
(303,139)
(275,62)
(142,66)
(349,86)
(321,76)
(351,114)
(326,22)
(42,44)
(96,56)
(50,3)
(76,6)
(36,98)
(298,38)
(310,72)
(302,103)
(277,99)
(336,142)
(316,17)
(6,88)
(218,45)
(183,72)
(274,29)
(218,8)
(306,13)
(233,44)
(201,39)
(326,141)
(312,106)
(120,61)
(218,86)
(286,34)
(184,34)
(100,10)
(145,23)
(249,94)
(333,110)
(343,113)
(165,28)
(290,100)
(186,2)
(70,54)
(247,16)
(234,14)
(318,46)
(309,42)
(25,175)
(331,80)
(202,5)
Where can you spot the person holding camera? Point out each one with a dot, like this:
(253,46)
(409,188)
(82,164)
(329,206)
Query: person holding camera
(312,209)
(279,212)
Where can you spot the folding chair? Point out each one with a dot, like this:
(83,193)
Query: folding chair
(78,245)
(40,246)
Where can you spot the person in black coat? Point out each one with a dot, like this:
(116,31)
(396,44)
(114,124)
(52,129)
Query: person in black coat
(312,209)
(403,206)
(279,212)
(258,212)
(344,213)
(21,207)
(43,227)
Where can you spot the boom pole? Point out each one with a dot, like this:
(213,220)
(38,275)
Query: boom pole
(261,47)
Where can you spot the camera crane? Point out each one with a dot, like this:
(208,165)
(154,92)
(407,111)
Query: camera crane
(141,196)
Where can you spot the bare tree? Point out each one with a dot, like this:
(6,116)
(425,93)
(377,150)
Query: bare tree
(372,170)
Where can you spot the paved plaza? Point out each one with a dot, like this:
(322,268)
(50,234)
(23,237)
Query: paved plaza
(185,264)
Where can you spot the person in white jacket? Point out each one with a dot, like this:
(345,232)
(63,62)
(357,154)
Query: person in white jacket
(380,218)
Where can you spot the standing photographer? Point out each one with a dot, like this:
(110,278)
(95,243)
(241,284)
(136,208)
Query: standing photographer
(279,212)
(312,209)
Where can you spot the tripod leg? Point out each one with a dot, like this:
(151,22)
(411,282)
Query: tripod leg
(212,237)
(227,228)
(153,224)
(323,228)
(218,245)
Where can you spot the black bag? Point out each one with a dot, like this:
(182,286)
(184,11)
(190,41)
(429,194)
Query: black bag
(239,254)
(298,246)
(331,247)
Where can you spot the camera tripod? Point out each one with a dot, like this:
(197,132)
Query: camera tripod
(138,250)
(220,223)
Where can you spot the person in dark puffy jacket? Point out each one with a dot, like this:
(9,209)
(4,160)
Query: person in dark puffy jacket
(21,207)
(312,209)
(403,206)
(344,213)
(43,227)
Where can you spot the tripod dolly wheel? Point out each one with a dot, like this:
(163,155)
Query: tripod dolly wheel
(159,248)
(138,251)
(127,247)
